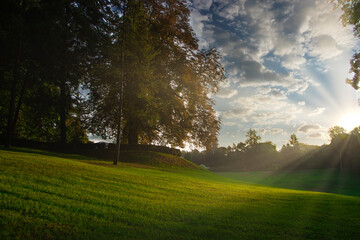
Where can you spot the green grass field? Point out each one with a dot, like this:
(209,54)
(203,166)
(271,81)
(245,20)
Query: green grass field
(328,180)
(54,196)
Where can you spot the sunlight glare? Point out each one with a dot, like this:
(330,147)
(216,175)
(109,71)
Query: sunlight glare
(350,121)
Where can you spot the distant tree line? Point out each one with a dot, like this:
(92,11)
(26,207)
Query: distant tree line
(252,155)
(129,70)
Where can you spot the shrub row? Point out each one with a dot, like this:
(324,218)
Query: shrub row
(80,148)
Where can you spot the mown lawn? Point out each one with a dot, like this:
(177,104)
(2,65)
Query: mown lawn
(326,180)
(52,196)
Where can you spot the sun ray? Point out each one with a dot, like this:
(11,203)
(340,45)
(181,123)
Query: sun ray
(350,121)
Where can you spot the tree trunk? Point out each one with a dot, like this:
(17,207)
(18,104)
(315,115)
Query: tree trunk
(340,161)
(18,107)
(121,95)
(133,135)
(63,112)
(118,137)
(118,143)
(16,75)
(10,119)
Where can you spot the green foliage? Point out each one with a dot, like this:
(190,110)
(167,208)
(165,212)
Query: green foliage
(293,140)
(252,137)
(71,197)
(157,80)
(351,15)
(337,133)
(109,67)
(46,48)
(355,68)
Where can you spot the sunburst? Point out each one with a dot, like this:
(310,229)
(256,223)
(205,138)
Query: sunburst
(350,121)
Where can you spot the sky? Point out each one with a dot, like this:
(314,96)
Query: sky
(286,62)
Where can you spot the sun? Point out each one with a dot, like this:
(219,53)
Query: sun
(350,121)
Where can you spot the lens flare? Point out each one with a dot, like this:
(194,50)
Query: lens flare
(350,121)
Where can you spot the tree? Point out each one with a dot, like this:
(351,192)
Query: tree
(166,78)
(351,15)
(47,48)
(339,139)
(337,133)
(240,146)
(252,138)
(122,84)
(293,140)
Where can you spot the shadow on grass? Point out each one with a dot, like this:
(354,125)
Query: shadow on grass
(230,212)
(49,153)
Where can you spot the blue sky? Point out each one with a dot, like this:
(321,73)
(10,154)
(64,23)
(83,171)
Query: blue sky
(286,64)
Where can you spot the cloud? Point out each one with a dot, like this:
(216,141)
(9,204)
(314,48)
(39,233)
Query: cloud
(228,9)
(226,93)
(313,131)
(202,4)
(272,52)
(267,106)
(270,118)
(302,103)
(229,123)
(317,111)
(291,30)
(315,135)
(307,128)
(323,47)
(272,131)
(293,61)
(236,113)
(199,24)
(265,99)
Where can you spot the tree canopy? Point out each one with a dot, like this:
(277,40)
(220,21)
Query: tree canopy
(129,70)
(351,15)
(293,140)
(252,138)
(165,78)
(337,133)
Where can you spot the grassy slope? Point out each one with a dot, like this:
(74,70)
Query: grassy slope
(328,180)
(45,197)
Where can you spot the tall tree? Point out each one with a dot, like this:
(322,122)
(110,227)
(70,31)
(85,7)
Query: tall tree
(339,139)
(337,132)
(252,138)
(49,45)
(120,89)
(293,140)
(166,79)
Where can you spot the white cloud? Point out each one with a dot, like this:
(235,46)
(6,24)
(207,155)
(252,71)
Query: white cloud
(226,93)
(229,9)
(317,111)
(271,118)
(293,61)
(272,131)
(313,131)
(302,103)
(230,123)
(236,113)
(198,23)
(324,47)
(272,51)
(315,135)
(307,128)
(202,4)
(264,99)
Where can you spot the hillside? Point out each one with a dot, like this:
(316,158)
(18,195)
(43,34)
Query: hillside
(47,196)
(320,180)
